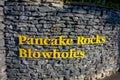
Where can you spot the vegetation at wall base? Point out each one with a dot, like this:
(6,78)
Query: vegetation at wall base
(103,3)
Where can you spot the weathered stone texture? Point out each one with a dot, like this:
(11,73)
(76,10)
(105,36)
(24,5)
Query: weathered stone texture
(2,43)
(43,20)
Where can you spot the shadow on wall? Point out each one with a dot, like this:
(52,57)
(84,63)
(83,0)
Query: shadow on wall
(114,20)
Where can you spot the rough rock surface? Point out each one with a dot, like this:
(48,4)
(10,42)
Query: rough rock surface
(44,20)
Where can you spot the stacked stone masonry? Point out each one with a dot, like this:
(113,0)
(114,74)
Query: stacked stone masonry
(2,43)
(44,20)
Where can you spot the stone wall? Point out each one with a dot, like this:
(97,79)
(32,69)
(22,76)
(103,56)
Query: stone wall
(2,43)
(44,20)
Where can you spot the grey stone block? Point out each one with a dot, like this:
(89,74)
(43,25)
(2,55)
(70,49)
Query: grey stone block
(1,2)
(1,8)
(1,18)
(1,13)
(2,43)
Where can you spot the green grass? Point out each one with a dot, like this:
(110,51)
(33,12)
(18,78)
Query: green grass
(109,4)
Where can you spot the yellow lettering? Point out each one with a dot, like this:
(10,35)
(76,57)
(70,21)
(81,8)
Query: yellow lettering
(22,53)
(36,54)
(103,40)
(62,41)
(47,54)
(71,54)
(29,53)
(56,54)
(82,54)
(30,41)
(80,40)
(46,41)
(64,55)
(69,41)
(53,42)
(22,39)
(75,55)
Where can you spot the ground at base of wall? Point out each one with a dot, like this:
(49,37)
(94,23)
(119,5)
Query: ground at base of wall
(115,76)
